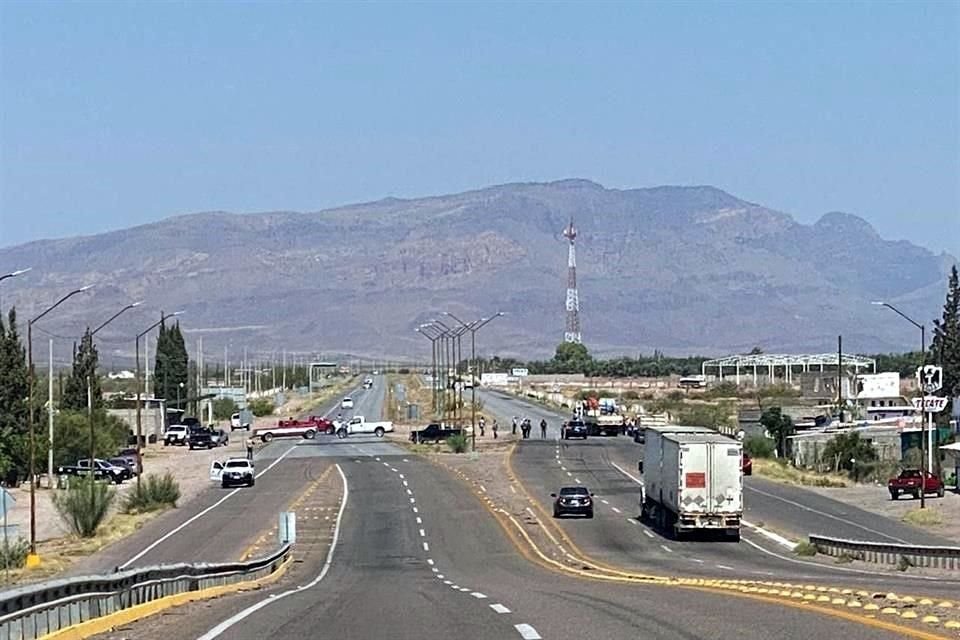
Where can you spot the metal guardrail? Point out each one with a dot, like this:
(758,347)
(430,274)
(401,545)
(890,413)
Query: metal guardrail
(33,611)
(887,553)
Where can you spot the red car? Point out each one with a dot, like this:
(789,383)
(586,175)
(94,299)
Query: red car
(746,465)
(909,481)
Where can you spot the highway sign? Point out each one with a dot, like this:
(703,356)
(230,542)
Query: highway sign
(931,404)
(930,378)
(520,373)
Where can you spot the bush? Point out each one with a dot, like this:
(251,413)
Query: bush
(630,395)
(153,493)
(722,390)
(83,506)
(805,548)
(223,408)
(458,443)
(850,453)
(261,407)
(14,554)
(758,447)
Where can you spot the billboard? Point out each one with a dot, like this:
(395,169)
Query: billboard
(878,385)
(520,373)
(494,379)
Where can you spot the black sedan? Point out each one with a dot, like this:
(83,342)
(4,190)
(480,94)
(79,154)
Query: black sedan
(573,500)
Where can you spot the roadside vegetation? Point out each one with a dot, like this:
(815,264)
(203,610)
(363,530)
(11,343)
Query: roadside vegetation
(152,494)
(805,548)
(13,554)
(458,443)
(83,505)
(923,517)
(780,471)
(261,407)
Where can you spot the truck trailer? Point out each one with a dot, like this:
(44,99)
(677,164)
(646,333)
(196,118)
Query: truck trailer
(692,480)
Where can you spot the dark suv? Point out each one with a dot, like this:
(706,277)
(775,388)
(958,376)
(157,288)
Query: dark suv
(573,500)
(201,438)
(574,429)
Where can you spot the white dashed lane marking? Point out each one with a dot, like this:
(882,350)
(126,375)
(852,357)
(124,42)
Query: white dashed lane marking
(426,547)
(419,520)
(647,533)
(723,566)
(615,510)
(666,548)
(499,608)
(527,632)
(604,501)
(478,595)
(423,534)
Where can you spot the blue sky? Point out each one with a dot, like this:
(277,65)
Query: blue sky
(114,114)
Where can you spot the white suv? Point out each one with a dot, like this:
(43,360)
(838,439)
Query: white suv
(346,403)
(176,434)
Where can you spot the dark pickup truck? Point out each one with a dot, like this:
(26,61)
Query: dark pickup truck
(909,481)
(434,433)
(102,470)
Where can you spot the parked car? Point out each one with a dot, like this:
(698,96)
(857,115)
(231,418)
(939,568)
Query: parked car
(176,435)
(909,481)
(235,471)
(359,424)
(102,470)
(220,437)
(746,465)
(573,500)
(241,420)
(132,457)
(125,463)
(574,429)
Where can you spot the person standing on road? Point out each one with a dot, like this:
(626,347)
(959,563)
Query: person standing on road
(483,424)
(543,428)
(495,427)
(250,448)
(514,429)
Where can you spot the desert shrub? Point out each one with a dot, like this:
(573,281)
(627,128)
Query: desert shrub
(153,493)
(84,505)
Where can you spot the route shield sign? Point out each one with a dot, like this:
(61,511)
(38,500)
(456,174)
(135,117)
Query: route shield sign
(930,378)
(931,404)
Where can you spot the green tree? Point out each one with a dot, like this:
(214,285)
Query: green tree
(223,408)
(172,363)
(14,389)
(847,451)
(758,447)
(779,426)
(945,347)
(71,439)
(85,362)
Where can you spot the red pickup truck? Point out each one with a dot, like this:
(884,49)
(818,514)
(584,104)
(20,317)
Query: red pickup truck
(909,481)
(319,423)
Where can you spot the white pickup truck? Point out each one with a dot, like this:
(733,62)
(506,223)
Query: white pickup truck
(359,424)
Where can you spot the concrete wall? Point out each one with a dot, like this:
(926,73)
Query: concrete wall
(151,420)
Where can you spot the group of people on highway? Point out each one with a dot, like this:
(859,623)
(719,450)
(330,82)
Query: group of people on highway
(526,428)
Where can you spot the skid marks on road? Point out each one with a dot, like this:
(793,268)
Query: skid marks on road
(525,630)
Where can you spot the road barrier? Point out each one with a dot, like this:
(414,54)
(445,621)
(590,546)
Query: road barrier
(34,611)
(883,553)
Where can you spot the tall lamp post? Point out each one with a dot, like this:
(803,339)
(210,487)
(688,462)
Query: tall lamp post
(473,327)
(14,274)
(456,356)
(132,305)
(163,318)
(442,336)
(926,448)
(33,438)
(426,331)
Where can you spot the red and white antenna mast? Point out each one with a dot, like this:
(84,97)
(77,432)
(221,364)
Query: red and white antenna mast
(572,332)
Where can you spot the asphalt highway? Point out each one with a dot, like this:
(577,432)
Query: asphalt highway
(418,556)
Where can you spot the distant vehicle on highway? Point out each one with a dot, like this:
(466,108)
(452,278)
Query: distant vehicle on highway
(176,434)
(235,471)
(346,403)
(368,383)
(241,420)
(573,501)
(434,432)
(909,481)
(359,424)
(574,429)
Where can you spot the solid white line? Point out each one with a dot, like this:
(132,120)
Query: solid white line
(527,632)
(229,622)
(776,537)
(499,608)
(478,595)
(150,547)
(666,548)
(647,533)
(426,547)
(423,534)
(627,473)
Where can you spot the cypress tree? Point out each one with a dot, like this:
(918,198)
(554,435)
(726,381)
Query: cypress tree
(86,359)
(945,347)
(14,389)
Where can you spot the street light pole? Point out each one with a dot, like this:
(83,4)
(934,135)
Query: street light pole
(926,449)
(33,559)
(473,327)
(13,274)
(140,385)
(426,331)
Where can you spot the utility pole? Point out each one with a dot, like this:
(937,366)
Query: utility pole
(50,419)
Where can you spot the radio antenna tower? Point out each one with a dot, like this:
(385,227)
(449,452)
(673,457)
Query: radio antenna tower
(572,333)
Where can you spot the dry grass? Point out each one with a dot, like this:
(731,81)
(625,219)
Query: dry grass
(772,470)
(923,517)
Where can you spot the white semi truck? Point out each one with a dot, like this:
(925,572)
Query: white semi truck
(692,480)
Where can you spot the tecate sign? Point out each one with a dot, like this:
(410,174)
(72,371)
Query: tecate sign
(931,404)
(520,373)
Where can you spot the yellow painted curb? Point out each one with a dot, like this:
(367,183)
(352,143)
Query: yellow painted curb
(127,616)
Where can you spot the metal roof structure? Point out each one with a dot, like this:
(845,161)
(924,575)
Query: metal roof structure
(787,362)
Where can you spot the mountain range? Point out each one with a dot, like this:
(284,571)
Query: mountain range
(681,269)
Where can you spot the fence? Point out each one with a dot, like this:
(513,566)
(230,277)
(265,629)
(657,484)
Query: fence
(33,611)
(883,553)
